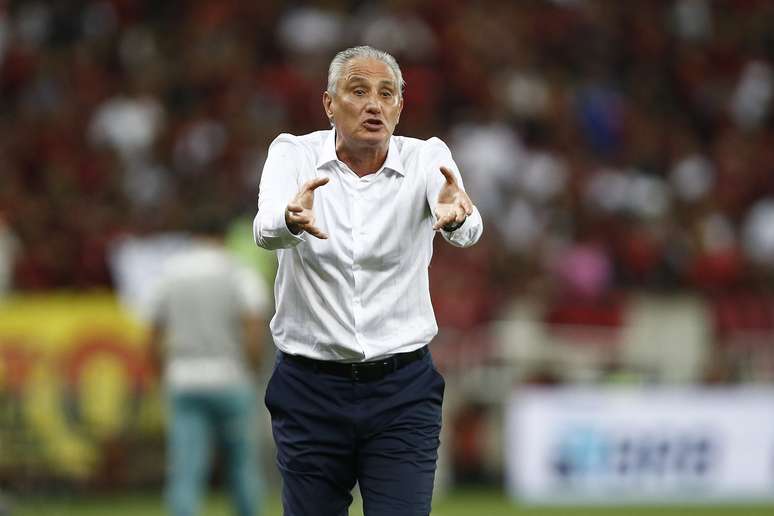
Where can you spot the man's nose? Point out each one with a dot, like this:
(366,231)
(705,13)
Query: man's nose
(373,106)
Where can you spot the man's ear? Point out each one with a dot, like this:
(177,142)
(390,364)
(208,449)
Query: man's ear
(328,105)
(400,110)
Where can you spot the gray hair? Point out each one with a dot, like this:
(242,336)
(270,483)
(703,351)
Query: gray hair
(343,57)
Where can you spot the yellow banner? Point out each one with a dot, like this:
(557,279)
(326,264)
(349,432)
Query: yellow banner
(74,381)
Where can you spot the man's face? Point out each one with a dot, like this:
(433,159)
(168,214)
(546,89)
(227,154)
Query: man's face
(367,104)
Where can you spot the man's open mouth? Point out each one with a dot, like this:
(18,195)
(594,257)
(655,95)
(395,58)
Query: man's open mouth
(373,124)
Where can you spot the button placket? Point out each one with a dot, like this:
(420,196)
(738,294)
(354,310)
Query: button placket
(357,251)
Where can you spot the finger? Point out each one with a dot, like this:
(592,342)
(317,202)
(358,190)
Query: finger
(449,175)
(460,215)
(312,185)
(300,220)
(316,232)
(295,208)
(467,205)
(443,221)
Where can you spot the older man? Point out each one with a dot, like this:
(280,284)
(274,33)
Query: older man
(352,212)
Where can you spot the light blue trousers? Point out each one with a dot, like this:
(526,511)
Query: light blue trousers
(198,422)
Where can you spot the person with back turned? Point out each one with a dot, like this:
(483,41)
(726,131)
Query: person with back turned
(352,212)
(207,318)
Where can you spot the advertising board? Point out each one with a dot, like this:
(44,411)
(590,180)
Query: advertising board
(649,445)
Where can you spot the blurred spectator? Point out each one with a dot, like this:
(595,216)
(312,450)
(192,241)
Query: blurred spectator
(657,121)
(583,272)
(692,19)
(311,30)
(752,96)
(692,178)
(759,232)
(492,153)
(208,324)
(397,29)
(9,250)
(130,125)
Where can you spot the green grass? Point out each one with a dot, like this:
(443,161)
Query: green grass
(459,503)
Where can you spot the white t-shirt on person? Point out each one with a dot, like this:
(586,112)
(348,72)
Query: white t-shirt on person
(201,299)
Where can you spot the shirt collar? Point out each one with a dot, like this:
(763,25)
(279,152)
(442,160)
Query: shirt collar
(328,154)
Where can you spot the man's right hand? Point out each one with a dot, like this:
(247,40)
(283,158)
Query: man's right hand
(299,215)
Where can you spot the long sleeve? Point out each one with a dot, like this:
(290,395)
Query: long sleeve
(470,231)
(467,234)
(279,183)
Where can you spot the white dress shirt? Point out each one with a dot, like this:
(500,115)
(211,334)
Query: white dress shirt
(363,293)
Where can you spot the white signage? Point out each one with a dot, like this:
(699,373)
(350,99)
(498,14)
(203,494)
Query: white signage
(629,445)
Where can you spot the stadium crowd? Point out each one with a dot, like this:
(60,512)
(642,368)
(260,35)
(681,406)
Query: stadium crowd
(607,147)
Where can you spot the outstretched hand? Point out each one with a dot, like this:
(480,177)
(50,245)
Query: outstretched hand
(299,215)
(454,205)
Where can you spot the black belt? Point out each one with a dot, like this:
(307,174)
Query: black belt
(359,371)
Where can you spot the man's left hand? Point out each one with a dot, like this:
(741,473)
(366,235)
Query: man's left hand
(454,205)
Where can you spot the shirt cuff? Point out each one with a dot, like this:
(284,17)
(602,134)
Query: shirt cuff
(280,228)
(468,233)
(273,232)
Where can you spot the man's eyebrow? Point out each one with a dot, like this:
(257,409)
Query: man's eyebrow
(356,78)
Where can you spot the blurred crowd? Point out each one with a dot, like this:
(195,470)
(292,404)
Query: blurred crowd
(609,145)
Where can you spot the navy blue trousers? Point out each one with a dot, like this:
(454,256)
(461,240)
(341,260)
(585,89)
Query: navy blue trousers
(331,432)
